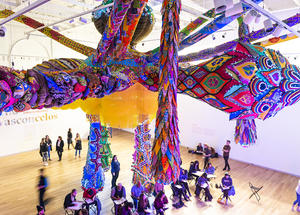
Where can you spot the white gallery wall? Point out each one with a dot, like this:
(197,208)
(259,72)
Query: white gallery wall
(21,132)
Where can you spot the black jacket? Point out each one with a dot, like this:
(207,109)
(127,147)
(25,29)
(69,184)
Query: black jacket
(43,147)
(68,202)
(61,147)
(70,135)
(78,145)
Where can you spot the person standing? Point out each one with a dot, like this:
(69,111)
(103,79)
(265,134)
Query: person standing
(115,169)
(43,151)
(78,145)
(49,145)
(297,201)
(42,185)
(226,150)
(59,147)
(69,139)
(207,154)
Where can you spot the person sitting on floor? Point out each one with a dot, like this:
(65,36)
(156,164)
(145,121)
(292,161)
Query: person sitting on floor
(210,169)
(226,186)
(70,199)
(159,203)
(136,191)
(202,183)
(143,205)
(118,192)
(183,177)
(199,149)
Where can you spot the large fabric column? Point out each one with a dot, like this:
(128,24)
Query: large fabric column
(165,151)
(141,166)
(98,155)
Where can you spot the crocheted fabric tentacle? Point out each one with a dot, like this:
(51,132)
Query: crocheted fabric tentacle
(141,166)
(245,132)
(165,151)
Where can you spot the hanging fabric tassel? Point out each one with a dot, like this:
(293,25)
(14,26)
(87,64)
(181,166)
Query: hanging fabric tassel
(245,132)
(141,166)
(165,151)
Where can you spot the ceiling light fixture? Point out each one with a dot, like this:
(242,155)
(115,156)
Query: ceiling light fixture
(250,17)
(268,25)
(237,8)
(2,31)
(220,6)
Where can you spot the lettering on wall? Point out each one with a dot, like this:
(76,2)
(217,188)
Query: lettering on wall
(29,117)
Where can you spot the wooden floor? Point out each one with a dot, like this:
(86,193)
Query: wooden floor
(18,179)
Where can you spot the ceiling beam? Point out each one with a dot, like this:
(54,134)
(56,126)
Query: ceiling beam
(71,17)
(270,16)
(23,11)
(8,3)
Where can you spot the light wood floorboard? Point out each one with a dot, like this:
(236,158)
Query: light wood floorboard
(18,179)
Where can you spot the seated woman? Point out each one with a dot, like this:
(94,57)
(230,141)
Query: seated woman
(202,183)
(143,205)
(159,203)
(183,177)
(226,186)
(199,149)
(210,169)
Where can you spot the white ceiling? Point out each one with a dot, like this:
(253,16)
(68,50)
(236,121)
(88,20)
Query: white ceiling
(56,10)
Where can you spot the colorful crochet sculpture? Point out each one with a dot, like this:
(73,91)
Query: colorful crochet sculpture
(141,166)
(93,174)
(247,81)
(165,152)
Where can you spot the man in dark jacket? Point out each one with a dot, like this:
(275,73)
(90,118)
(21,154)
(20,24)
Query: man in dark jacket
(70,199)
(59,147)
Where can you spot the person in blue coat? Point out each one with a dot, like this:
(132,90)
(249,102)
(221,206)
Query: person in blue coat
(115,169)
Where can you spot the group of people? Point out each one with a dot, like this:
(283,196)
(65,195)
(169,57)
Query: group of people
(141,204)
(139,196)
(46,146)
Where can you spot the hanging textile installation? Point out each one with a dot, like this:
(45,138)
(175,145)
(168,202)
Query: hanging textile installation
(245,80)
(141,166)
(99,155)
